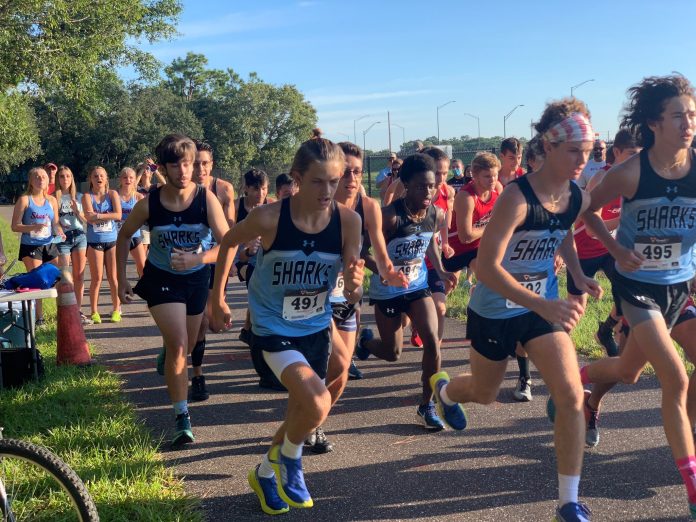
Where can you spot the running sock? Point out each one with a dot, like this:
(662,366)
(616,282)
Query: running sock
(610,322)
(180,407)
(568,489)
(687,468)
(265,469)
(197,354)
(523,363)
(445,398)
(584,378)
(291,450)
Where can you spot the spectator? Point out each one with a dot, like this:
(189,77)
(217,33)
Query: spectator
(595,164)
(458,179)
(394,189)
(51,169)
(382,182)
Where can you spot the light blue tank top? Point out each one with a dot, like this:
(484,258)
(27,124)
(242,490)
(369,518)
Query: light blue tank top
(68,220)
(530,253)
(33,215)
(407,251)
(659,222)
(126,208)
(288,294)
(103,231)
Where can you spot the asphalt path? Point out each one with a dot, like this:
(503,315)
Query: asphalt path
(385,466)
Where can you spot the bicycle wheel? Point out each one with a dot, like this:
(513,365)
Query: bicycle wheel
(36,485)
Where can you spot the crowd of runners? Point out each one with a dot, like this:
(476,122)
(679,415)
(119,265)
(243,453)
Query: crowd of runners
(499,230)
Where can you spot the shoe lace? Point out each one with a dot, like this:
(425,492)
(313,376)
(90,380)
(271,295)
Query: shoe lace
(594,417)
(321,437)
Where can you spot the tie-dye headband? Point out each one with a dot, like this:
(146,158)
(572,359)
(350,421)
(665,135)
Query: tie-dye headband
(576,127)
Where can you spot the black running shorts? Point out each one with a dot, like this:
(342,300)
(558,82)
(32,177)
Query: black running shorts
(398,305)
(158,287)
(315,347)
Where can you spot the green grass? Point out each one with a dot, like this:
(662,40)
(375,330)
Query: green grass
(81,415)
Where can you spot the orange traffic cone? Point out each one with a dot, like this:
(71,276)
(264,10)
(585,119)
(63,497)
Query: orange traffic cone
(72,344)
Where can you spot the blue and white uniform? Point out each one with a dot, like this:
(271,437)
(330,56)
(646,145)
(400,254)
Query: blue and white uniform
(71,224)
(495,324)
(34,215)
(104,231)
(407,251)
(126,209)
(658,222)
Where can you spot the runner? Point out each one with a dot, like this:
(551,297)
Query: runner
(175,280)
(127,191)
(346,316)
(516,298)
(458,179)
(35,216)
(304,239)
(593,254)
(510,161)
(102,207)
(285,186)
(409,225)
(224,191)
(72,220)
(654,250)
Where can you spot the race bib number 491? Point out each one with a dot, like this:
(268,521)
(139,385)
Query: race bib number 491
(535,282)
(304,304)
(660,253)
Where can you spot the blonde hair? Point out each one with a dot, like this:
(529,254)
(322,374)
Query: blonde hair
(72,189)
(484,161)
(92,171)
(32,172)
(124,171)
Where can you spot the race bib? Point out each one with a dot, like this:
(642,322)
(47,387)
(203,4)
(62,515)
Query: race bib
(103,226)
(535,282)
(44,233)
(304,304)
(338,289)
(660,253)
(411,269)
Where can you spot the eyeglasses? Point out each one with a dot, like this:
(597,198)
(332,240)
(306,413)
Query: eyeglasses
(355,172)
(396,169)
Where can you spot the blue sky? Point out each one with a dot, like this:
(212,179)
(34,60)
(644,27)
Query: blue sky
(356,58)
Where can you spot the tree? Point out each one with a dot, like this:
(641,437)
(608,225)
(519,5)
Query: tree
(189,78)
(19,136)
(48,43)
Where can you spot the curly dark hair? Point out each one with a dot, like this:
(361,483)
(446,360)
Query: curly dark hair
(557,111)
(646,103)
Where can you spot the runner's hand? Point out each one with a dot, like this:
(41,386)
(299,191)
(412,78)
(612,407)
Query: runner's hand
(353,275)
(184,260)
(253,246)
(447,251)
(449,279)
(125,292)
(220,317)
(560,311)
(627,259)
(590,286)
(557,263)
(394,278)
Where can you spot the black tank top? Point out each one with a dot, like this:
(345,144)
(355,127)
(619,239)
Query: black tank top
(289,237)
(242,212)
(213,189)
(538,218)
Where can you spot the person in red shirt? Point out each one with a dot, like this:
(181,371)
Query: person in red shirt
(510,160)
(473,206)
(593,257)
(51,170)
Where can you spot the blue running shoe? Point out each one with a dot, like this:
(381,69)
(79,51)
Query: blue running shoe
(266,490)
(427,416)
(573,512)
(290,479)
(182,430)
(361,351)
(160,360)
(454,416)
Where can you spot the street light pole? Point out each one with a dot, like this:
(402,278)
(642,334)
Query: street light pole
(438,118)
(403,133)
(366,131)
(355,135)
(478,123)
(578,85)
(344,134)
(505,118)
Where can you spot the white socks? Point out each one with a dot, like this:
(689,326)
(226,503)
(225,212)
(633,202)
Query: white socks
(445,398)
(568,488)
(265,469)
(290,450)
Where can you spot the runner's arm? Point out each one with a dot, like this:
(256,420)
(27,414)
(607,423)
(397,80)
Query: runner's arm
(56,226)
(464,209)
(434,253)
(388,224)
(133,222)
(17,215)
(228,205)
(353,266)
(373,222)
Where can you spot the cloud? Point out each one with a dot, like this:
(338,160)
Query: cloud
(233,23)
(344,99)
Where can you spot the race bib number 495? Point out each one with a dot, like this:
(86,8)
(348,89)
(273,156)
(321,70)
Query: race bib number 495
(535,282)
(660,253)
(304,304)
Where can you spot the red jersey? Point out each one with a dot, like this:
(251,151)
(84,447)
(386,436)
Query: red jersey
(441,197)
(589,247)
(481,216)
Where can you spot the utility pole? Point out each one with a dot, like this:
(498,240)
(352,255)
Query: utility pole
(389,130)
